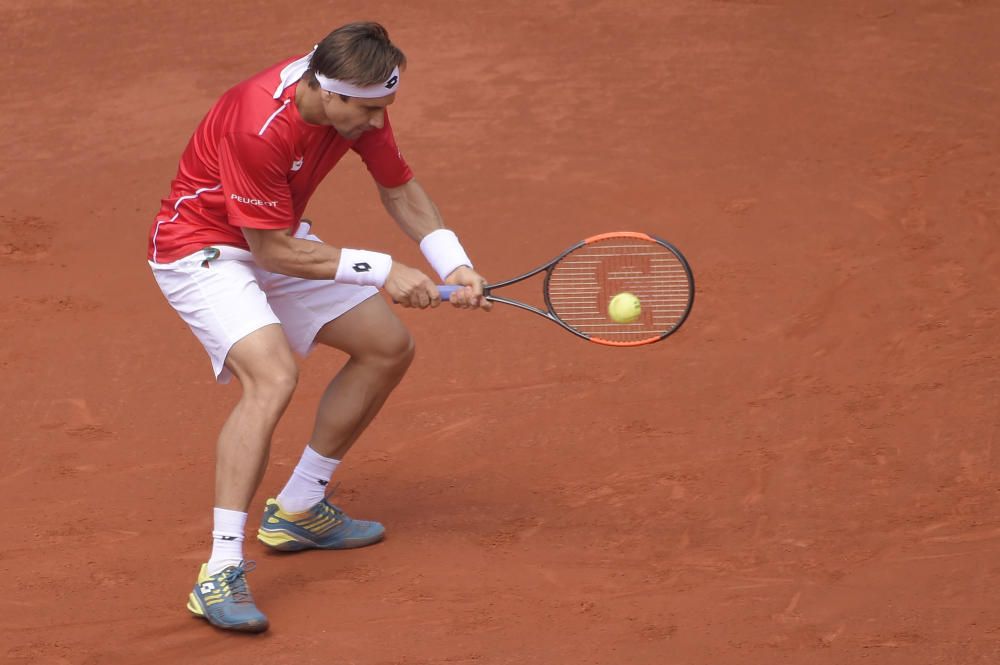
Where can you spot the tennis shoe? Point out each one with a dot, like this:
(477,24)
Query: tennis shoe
(224,600)
(324,526)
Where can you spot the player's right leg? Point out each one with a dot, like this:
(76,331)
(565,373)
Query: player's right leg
(267,372)
(225,308)
(266,369)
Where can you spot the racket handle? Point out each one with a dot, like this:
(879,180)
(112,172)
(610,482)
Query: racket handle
(446,290)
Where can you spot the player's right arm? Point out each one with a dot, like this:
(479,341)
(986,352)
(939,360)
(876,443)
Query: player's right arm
(278,251)
(258,201)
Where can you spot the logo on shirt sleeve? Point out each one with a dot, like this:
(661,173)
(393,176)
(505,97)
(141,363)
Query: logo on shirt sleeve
(253,202)
(297,164)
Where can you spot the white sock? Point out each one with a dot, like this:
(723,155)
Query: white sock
(307,486)
(227,540)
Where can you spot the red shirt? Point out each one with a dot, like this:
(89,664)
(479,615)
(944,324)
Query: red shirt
(254,162)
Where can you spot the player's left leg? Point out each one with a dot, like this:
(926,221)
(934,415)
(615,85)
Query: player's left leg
(380,350)
(349,318)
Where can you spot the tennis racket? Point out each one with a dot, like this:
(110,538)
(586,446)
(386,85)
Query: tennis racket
(580,282)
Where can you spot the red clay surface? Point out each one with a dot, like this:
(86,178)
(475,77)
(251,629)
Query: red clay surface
(805,474)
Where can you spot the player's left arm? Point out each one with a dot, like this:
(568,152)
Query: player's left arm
(415,213)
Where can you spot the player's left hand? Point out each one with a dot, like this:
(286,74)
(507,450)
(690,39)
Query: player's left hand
(471,297)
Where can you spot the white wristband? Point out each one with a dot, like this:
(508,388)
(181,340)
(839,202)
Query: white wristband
(359,266)
(443,251)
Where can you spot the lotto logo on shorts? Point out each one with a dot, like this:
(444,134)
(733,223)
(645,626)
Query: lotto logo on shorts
(362,267)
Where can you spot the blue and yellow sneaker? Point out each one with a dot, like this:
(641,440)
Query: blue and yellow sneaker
(224,600)
(324,526)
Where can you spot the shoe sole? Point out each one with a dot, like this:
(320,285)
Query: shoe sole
(198,610)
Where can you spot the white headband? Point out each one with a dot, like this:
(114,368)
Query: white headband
(367,92)
(293,71)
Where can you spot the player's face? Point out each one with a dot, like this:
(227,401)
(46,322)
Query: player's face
(355,116)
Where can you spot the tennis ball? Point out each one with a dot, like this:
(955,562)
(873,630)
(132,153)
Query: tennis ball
(624,308)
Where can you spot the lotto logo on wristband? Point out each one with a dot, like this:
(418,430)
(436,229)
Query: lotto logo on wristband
(358,266)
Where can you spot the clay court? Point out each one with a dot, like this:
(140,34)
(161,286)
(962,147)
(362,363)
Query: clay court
(804,474)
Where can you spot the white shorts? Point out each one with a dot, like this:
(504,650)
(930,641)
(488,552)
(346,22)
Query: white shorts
(229,296)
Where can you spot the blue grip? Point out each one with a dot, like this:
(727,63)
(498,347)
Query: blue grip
(446,290)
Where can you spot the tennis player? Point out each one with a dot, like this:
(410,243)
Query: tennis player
(233,257)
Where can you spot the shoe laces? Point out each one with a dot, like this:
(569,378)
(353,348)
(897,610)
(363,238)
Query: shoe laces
(236,581)
(328,507)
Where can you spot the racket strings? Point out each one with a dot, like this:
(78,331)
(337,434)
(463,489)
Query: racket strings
(583,283)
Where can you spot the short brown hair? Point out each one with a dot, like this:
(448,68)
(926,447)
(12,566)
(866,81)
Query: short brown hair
(359,53)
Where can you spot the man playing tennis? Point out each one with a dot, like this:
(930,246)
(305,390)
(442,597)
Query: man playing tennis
(233,258)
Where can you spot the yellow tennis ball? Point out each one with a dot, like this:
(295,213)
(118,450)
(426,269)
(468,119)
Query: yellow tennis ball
(624,308)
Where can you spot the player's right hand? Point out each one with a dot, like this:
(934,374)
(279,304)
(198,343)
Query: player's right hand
(411,288)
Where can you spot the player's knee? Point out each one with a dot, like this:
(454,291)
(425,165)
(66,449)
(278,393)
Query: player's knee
(272,387)
(394,351)
(282,382)
(408,351)
(401,350)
